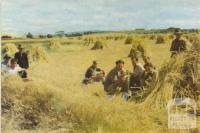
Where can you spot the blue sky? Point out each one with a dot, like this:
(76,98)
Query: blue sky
(48,16)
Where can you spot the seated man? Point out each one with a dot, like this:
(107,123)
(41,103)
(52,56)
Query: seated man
(22,58)
(93,74)
(147,61)
(116,78)
(15,69)
(135,78)
(149,76)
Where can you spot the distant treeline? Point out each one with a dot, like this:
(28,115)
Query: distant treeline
(77,34)
(169,30)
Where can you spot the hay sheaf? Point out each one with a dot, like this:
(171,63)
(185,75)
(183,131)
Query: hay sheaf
(54,44)
(38,54)
(160,39)
(152,37)
(9,49)
(97,45)
(194,39)
(129,40)
(138,49)
(178,78)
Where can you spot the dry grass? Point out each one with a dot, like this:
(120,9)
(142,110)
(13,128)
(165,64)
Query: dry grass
(160,39)
(128,40)
(37,54)
(54,44)
(9,49)
(57,102)
(152,37)
(138,49)
(180,76)
(97,45)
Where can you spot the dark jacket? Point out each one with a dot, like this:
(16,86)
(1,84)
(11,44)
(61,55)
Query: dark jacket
(22,60)
(112,76)
(90,72)
(178,45)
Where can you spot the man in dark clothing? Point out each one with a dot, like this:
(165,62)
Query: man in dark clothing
(22,58)
(178,45)
(93,74)
(149,77)
(116,78)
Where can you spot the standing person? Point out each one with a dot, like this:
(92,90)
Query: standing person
(94,73)
(22,58)
(178,45)
(116,78)
(138,70)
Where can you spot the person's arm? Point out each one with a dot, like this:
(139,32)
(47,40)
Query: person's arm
(111,76)
(172,47)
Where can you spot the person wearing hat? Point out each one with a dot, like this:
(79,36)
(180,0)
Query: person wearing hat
(22,58)
(94,74)
(178,45)
(116,78)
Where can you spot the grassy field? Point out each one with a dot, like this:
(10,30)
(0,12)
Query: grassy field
(80,108)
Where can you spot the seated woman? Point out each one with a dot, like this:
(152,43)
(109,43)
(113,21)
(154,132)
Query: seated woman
(94,74)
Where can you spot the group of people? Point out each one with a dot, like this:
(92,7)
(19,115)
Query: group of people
(143,76)
(18,64)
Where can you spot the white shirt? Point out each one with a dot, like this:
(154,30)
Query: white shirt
(14,71)
(138,70)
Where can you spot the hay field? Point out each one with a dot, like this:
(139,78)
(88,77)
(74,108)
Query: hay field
(79,108)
